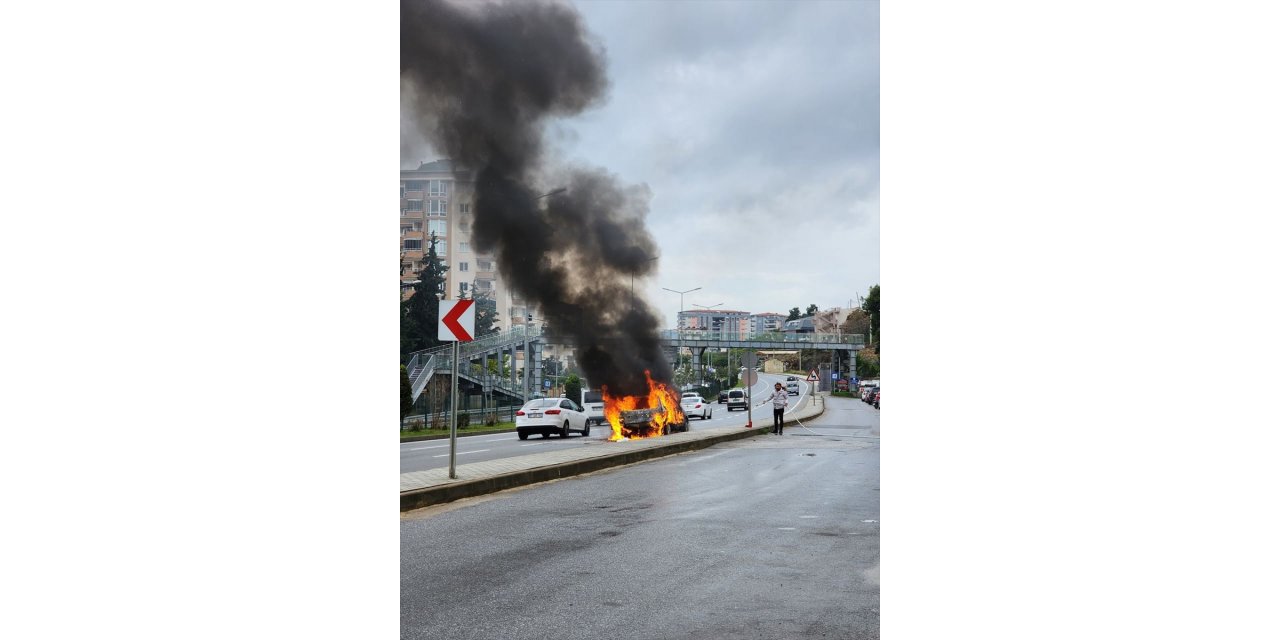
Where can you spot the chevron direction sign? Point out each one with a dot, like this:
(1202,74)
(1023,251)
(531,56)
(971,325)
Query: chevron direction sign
(457,320)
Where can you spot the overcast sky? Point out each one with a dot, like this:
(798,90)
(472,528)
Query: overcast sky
(756,126)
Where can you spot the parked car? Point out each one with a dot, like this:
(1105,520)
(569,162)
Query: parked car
(551,415)
(877,403)
(737,399)
(869,393)
(791,378)
(793,388)
(723,397)
(692,405)
(593,404)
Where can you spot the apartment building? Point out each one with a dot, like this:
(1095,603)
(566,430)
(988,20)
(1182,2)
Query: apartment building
(717,320)
(437,197)
(767,322)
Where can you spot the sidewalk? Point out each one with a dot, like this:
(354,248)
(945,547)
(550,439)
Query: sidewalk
(424,488)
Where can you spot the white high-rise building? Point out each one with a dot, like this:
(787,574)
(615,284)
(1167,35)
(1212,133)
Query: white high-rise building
(437,197)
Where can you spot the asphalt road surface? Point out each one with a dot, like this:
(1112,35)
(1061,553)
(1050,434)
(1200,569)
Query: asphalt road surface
(768,537)
(433,454)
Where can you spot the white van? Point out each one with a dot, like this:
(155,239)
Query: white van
(593,402)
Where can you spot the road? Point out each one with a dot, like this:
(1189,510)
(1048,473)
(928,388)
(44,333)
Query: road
(768,537)
(432,454)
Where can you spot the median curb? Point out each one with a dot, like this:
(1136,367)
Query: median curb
(450,490)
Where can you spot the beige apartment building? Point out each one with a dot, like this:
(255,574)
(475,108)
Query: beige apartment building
(437,197)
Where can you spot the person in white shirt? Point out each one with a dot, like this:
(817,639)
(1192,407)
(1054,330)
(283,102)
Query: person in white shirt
(779,399)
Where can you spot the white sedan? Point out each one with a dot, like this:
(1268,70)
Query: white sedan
(692,405)
(551,415)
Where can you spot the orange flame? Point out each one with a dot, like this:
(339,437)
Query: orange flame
(660,397)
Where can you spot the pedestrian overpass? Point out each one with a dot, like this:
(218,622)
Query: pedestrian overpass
(476,356)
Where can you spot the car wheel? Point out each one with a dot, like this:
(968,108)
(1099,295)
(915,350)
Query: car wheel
(546,434)
(586,430)
(564,431)
(523,435)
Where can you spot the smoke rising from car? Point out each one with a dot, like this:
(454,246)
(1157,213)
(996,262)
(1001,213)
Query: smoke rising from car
(480,82)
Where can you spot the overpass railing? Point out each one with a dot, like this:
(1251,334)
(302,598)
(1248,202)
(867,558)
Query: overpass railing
(799,339)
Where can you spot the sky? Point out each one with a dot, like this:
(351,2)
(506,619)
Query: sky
(755,126)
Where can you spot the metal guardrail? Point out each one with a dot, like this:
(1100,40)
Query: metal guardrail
(797,338)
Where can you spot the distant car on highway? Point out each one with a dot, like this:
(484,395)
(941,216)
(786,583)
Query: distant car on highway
(551,415)
(790,378)
(737,399)
(793,388)
(723,397)
(692,405)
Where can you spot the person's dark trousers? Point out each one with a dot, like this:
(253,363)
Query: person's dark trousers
(777,421)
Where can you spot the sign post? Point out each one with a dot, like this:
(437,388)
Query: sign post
(749,361)
(457,323)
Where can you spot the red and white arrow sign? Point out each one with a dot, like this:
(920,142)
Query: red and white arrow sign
(457,320)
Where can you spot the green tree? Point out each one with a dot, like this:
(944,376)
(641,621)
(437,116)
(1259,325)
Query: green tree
(867,365)
(573,387)
(857,323)
(794,314)
(811,311)
(406,392)
(871,305)
(486,312)
(419,314)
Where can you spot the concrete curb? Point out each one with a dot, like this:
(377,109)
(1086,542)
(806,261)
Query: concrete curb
(679,443)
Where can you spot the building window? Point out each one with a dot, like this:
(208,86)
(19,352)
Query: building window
(464,208)
(438,188)
(464,247)
(413,245)
(442,247)
(484,265)
(462,266)
(484,285)
(415,205)
(413,186)
(463,287)
(438,227)
(464,227)
(435,207)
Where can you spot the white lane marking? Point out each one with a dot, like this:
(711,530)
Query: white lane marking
(871,521)
(461,453)
(786,528)
(808,516)
(425,448)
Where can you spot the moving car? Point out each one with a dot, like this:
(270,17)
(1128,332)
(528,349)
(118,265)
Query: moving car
(692,405)
(737,399)
(793,388)
(551,415)
(791,378)
(723,397)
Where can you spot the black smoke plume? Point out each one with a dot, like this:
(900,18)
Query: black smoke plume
(481,81)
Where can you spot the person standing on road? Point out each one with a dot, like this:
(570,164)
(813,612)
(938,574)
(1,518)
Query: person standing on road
(779,399)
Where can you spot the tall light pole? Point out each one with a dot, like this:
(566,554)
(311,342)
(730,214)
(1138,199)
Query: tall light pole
(701,377)
(633,277)
(679,338)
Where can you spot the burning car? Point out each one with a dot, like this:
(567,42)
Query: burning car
(648,416)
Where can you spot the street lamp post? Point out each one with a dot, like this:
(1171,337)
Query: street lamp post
(701,376)
(679,338)
(633,278)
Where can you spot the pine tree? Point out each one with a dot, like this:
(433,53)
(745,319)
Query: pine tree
(419,314)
